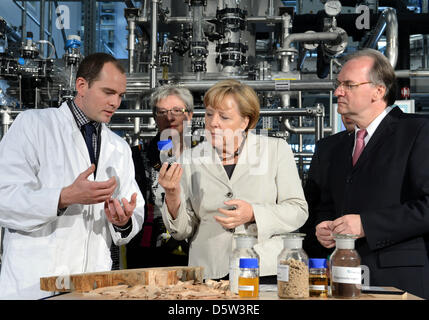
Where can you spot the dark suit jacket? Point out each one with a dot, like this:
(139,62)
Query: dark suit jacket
(315,186)
(389,188)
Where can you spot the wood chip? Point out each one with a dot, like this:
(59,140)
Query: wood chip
(187,290)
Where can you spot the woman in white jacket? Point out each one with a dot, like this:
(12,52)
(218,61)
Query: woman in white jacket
(235,182)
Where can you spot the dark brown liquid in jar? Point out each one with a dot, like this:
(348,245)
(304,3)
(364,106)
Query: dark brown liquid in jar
(344,264)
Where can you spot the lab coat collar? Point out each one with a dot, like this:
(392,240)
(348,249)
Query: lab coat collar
(107,146)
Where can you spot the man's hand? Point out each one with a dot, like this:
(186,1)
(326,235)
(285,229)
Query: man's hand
(117,214)
(242,214)
(83,191)
(324,234)
(348,224)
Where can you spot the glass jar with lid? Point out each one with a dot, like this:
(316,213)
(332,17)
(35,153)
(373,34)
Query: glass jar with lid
(345,268)
(292,268)
(165,148)
(318,278)
(242,248)
(248,280)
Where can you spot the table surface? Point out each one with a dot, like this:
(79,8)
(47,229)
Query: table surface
(263,295)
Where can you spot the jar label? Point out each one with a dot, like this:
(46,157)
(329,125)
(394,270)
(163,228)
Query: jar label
(246,288)
(347,275)
(317,287)
(283,272)
(233,279)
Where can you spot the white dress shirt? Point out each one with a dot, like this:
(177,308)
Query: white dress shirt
(372,126)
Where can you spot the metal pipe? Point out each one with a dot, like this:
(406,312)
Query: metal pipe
(30,16)
(319,121)
(304,130)
(42,27)
(153,43)
(425,8)
(131,44)
(130,126)
(259,85)
(308,37)
(262,19)
(201,112)
(5,120)
(253,19)
(63,32)
(286,25)
(270,8)
(411,73)
(49,26)
(392,43)
(387,23)
(303,154)
(23,20)
(135,141)
(268,85)
(146,113)
(178,20)
(300,137)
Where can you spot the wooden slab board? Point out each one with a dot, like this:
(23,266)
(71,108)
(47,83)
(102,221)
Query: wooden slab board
(147,276)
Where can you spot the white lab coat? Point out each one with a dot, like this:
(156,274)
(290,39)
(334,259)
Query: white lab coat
(43,152)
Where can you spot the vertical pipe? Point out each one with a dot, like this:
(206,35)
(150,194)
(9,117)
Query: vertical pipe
(20,91)
(270,12)
(319,122)
(300,137)
(299,6)
(24,21)
(36,98)
(153,43)
(285,67)
(137,120)
(42,26)
(425,64)
(286,19)
(131,44)
(5,121)
(144,6)
(49,26)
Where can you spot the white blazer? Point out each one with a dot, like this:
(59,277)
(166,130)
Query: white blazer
(266,176)
(43,152)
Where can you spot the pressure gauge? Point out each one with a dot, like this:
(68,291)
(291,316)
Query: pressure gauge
(332,8)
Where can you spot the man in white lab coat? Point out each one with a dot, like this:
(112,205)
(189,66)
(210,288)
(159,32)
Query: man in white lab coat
(65,191)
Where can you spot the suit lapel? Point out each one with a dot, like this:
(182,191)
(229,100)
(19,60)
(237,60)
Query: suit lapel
(343,164)
(211,161)
(250,157)
(77,137)
(381,134)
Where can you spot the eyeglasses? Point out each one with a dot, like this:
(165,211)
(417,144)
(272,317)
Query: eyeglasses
(174,112)
(348,85)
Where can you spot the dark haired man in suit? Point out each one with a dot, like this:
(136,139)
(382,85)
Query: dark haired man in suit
(378,179)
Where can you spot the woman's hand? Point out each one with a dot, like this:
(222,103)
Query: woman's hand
(169,179)
(241,213)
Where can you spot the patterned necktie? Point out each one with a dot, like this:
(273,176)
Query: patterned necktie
(360,144)
(89,131)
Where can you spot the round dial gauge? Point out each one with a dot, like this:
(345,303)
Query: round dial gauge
(332,8)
